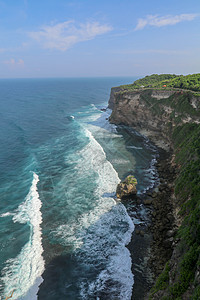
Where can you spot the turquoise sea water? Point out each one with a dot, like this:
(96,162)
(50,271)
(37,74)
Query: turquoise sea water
(62,235)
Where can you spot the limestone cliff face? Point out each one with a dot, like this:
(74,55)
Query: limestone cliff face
(151,112)
(112,97)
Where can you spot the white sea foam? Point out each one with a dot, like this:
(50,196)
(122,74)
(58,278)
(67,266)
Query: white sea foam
(134,147)
(108,237)
(7,214)
(91,117)
(152,174)
(120,161)
(93,106)
(23,273)
(103,133)
(100,235)
(92,157)
(107,138)
(91,114)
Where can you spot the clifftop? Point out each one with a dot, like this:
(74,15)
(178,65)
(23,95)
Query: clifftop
(167,81)
(154,112)
(169,114)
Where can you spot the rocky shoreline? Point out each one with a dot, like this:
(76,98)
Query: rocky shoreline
(170,230)
(152,242)
(163,227)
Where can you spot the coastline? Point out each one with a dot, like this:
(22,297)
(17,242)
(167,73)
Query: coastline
(170,121)
(152,240)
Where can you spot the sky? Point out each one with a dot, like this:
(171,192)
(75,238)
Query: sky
(86,38)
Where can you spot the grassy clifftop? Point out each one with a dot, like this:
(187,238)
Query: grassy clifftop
(167,81)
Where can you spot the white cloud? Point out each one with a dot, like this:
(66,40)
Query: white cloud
(64,35)
(13,62)
(157,21)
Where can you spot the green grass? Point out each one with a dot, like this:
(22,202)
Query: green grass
(186,140)
(188,82)
(131,180)
(162,281)
(196,294)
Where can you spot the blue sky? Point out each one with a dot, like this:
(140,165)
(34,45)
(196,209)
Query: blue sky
(61,38)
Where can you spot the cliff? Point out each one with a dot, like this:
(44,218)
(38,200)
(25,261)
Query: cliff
(171,119)
(111,102)
(154,113)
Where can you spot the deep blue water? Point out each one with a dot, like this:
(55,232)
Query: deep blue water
(60,162)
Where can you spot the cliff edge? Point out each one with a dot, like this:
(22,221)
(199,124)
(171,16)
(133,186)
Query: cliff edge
(169,114)
(154,113)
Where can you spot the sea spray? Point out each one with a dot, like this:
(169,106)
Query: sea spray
(23,273)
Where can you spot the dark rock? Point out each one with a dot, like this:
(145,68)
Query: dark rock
(165,221)
(147,201)
(138,201)
(170,218)
(168,243)
(154,213)
(154,194)
(142,232)
(170,233)
(137,231)
(127,188)
(149,194)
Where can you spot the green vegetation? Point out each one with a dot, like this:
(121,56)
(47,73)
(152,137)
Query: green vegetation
(187,189)
(187,272)
(166,81)
(196,294)
(162,282)
(149,81)
(131,180)
(186,139)
(188,82)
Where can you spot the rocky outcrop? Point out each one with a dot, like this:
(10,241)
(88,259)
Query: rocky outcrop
(161,94)
(163,226)
(127,188)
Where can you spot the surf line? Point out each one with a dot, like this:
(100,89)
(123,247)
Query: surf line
(23,273)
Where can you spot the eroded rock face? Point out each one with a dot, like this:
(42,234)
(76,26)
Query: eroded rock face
(127,188)
(134,110)
(150,112)
(112,97)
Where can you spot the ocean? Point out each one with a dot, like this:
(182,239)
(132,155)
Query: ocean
(62,233)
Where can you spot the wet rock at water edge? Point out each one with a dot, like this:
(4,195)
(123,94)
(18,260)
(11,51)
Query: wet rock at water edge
(127,188)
